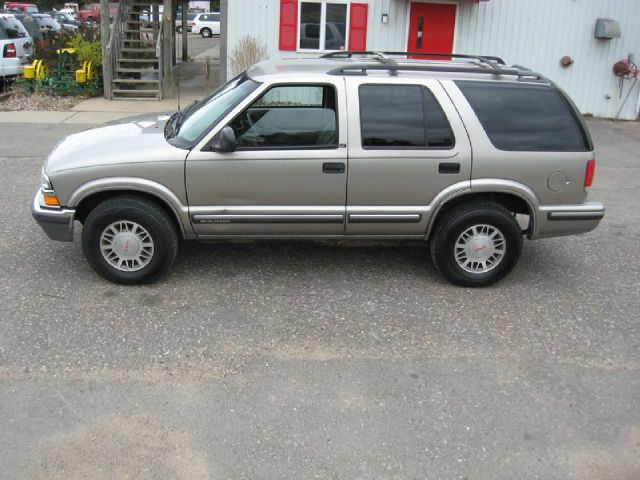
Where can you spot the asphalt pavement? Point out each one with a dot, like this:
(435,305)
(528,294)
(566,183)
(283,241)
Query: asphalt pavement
(331,361)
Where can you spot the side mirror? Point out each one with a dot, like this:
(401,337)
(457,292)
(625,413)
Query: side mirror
(226,141)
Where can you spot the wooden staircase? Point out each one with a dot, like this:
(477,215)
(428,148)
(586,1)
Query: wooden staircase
(134,48)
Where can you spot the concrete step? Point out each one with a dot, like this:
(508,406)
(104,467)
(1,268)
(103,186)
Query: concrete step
(124,93)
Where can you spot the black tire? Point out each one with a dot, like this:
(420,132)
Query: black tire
(206,33)
(179,29)
(146,214)
(454,223)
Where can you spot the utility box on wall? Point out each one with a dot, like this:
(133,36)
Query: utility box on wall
(606,29)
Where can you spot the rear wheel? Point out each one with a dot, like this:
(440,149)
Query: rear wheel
(477,244)
(129,240)
(206,33)
(179,29)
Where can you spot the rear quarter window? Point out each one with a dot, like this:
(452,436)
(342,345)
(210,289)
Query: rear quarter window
(525,117)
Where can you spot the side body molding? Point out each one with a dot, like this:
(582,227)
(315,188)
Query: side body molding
(164,194)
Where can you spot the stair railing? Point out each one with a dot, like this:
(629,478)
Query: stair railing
(113,50)
(160,58)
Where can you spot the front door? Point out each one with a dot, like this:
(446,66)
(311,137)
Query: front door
(288,175)
(431,27)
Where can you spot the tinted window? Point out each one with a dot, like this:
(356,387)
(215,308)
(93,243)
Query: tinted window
(402,116)
(215,17)
(524,117)
(12,28)
(289,117)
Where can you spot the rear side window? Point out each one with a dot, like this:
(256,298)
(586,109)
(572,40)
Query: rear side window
(12,28)
(525,117)
(402,116)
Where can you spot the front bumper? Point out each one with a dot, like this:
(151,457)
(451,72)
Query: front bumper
(558,220)
(57,223)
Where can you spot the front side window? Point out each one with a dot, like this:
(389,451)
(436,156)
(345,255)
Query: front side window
(291,116)
(402,116)
(323,26)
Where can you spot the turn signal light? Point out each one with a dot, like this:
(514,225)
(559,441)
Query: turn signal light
(591,170)
(50,200)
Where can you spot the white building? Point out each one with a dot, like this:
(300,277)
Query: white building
(533,33)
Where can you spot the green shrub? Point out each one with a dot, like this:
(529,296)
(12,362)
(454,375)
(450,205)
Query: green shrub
(87,50)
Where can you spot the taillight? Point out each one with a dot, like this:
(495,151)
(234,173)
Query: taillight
(10,51)
(588,176)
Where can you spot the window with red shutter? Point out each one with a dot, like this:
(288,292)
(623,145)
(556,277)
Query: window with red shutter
(358,26)
(288,24)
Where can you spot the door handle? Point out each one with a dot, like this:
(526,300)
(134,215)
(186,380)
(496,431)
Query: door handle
(449,168)
(333,167)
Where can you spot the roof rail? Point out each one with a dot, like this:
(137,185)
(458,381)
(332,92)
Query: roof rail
(489,60)
(363,68)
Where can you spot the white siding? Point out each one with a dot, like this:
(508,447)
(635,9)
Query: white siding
(538,33)
(534,33)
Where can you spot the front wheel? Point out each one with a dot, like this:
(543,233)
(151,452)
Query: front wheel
(206,33)
(477,244)
(179,29)
(129,240)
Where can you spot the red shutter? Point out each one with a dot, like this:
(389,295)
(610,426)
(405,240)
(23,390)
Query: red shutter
(288,24)
(358,27)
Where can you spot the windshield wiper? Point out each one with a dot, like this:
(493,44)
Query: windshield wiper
(184,114)
(172,127)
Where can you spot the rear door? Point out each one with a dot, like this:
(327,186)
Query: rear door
(407,144)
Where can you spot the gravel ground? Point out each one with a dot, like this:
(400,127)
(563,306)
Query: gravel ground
(39,101)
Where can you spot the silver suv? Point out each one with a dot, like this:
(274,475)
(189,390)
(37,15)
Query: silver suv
(347,146)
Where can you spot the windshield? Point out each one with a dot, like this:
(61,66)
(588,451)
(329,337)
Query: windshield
(32,9)
(48,22)
(202,117)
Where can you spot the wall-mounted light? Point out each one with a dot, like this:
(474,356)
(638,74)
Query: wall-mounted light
(385,17)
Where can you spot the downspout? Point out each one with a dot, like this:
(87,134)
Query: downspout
(224,20)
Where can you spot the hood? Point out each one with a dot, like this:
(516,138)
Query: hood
(133,140)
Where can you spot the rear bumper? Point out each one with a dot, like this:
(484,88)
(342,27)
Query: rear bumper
(57,223)
(558,220)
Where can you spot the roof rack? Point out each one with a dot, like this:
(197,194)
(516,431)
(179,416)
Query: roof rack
(487,59)
(483,64)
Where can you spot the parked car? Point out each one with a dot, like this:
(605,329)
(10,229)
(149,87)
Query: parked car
(65,20)
(16,47)
(206,24)
(267,156)
(190,18)
(39,25)
(89,13)
(21,7)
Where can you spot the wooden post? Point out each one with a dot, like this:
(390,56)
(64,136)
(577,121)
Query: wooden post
(105,33)
(166,45)
(185,52)
(155,20)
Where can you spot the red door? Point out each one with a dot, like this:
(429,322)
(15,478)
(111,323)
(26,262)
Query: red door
(431,27)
